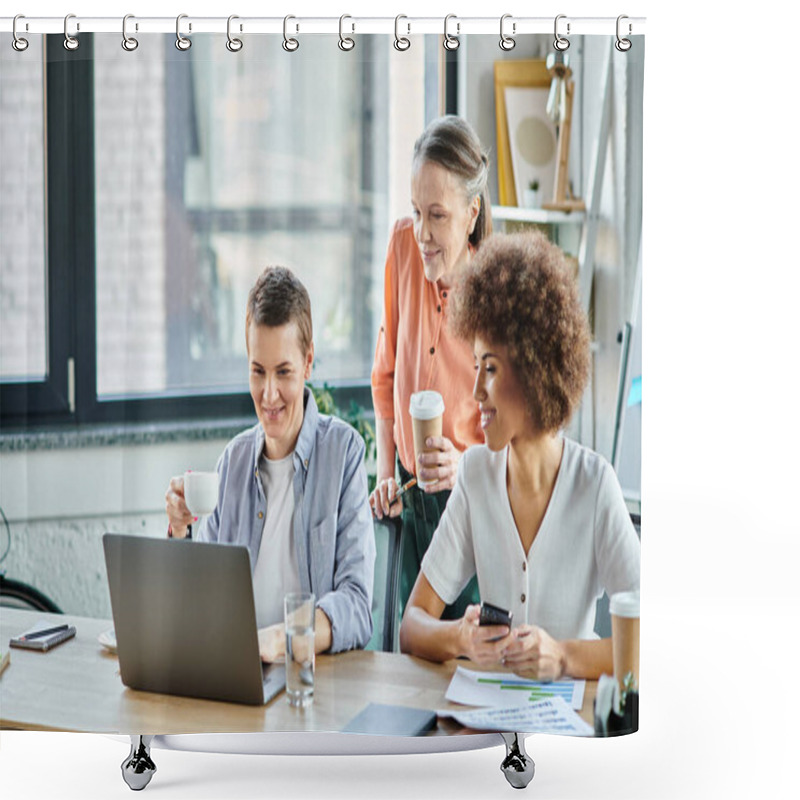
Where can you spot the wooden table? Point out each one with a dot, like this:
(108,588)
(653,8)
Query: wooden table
(77,687)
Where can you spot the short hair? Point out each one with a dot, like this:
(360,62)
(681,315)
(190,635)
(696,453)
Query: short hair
(519,291)
(278,298)
(452,143)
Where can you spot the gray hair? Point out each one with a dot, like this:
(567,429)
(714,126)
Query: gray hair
(452,143)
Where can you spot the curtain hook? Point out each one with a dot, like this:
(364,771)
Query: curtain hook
(451,42)
(181,41)
(561,43)
(507,42)
(623,45)
(233,45)
(70,42)
(289,44)
(128,42)
(345,42)
(401,42)
(18,43)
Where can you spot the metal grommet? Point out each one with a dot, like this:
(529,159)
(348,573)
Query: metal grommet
(507,42)
(289,44)
(451,42)
(233,45)
(181,41)
(70,42)
(561,43)
(345,42)
(401,43)
(128,42)
(623,45)
(18,43)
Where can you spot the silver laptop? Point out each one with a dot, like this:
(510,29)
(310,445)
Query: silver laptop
(185,619)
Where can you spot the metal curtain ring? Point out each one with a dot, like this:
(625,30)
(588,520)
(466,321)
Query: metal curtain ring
(561,43)
(507,42)
(289,44)
(345,42)
(70,42)
(128,42)
(233,45)
(450,42)
(401,43)
(623,45)
(18,43)
(181,42)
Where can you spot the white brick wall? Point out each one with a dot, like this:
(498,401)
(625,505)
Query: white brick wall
(22,245)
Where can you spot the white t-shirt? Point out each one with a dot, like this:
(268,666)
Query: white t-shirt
(586,543)
(276,572)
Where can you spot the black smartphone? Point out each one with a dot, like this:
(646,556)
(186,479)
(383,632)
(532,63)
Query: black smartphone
(492,615)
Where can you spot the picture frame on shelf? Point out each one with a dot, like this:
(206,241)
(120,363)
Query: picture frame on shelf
(527,141)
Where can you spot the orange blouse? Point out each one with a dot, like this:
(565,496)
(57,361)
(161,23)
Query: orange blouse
(416,351)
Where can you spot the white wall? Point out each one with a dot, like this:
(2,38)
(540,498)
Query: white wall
(60,502)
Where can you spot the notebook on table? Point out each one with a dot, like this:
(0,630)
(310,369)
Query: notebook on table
(185,619)
(389,720)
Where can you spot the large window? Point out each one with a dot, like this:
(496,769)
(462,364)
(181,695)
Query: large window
(23,298)
(172,179)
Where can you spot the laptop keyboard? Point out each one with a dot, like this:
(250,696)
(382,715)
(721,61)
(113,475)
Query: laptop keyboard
(274,680)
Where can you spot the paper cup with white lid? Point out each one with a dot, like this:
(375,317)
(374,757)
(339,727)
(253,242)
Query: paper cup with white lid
(426,409)
(624,608)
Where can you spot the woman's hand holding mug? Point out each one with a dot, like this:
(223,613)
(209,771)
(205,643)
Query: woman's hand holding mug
(180,518)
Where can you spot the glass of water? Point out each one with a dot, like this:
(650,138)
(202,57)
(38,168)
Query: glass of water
(299,612)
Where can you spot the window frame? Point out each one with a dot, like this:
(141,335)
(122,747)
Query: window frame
(68,395)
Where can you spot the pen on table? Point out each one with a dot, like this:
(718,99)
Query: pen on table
(45,632)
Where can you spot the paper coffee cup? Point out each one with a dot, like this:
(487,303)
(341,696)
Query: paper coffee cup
(426,409)
(200,491)
(624,608)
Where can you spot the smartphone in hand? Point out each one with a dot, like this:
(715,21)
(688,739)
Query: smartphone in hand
(493,615)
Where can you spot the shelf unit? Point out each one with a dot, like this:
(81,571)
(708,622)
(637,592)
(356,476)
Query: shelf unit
(538,216)
(582,239)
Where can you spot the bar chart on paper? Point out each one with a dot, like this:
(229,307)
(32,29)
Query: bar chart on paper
(502,689)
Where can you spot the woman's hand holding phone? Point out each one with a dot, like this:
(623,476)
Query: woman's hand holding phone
(482,644)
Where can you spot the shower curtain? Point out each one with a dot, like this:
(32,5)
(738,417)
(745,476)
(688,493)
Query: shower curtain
(145,188)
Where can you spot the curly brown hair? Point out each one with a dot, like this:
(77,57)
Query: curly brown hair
(519,291)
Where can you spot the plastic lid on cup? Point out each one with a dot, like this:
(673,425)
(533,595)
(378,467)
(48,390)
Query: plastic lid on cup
(426,405)
(625,604)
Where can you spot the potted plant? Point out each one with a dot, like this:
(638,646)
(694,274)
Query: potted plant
(531,194)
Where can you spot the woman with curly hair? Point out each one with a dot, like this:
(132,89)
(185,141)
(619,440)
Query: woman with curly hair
(537,517)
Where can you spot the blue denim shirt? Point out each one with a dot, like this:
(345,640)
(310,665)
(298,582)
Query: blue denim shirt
(333,534)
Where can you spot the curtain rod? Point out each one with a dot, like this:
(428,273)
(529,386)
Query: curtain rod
(406,26)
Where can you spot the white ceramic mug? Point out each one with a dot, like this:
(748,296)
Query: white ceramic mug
(200,491)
